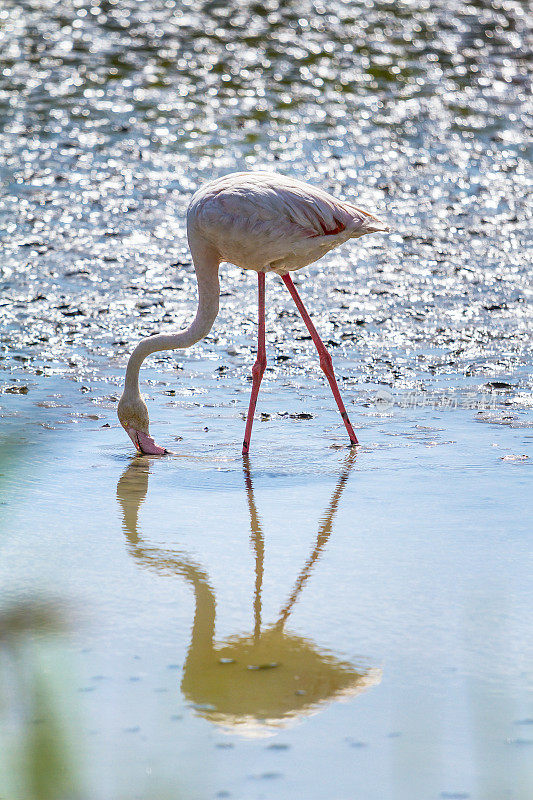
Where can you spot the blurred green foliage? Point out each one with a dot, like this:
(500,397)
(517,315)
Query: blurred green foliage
(37,752)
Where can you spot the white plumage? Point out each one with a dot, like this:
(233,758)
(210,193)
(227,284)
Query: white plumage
(272,223)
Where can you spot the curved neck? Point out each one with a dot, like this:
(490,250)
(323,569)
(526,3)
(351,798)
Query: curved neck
(206,262)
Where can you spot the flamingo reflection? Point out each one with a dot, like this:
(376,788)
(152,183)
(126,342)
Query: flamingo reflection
(257,682)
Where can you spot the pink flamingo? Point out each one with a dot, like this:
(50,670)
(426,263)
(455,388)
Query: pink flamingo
(260,221)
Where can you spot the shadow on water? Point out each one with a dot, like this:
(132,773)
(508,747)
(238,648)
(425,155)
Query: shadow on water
(251,683)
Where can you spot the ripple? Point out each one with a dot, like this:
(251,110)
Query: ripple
(112,114)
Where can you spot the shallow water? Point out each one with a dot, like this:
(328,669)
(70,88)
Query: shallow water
(311,623)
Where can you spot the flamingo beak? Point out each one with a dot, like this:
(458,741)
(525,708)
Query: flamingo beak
(145,444)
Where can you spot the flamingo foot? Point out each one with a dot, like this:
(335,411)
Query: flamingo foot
(145,444)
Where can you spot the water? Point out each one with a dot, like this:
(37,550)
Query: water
(309,623)
(299,622)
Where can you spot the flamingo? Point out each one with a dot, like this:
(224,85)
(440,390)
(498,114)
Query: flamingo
(260,221)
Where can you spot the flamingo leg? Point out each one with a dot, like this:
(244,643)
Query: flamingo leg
(260,364)
(325,358)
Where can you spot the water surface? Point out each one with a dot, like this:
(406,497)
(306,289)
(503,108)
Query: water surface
(311,622)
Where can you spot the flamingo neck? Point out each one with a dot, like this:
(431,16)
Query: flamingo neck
(206,264)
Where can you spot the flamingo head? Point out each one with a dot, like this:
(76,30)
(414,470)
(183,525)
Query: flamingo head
(133,416)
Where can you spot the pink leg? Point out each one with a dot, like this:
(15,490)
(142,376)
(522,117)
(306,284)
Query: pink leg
(325,358)
(260,364)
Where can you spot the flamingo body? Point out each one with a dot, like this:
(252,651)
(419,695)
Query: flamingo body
(261,221)
(272,223)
